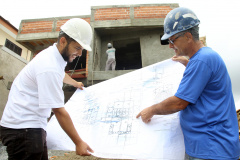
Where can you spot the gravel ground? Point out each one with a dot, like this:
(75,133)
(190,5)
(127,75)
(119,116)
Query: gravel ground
(55,155)
(73,156)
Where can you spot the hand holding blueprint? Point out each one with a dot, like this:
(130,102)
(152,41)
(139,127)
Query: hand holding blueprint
(105,116)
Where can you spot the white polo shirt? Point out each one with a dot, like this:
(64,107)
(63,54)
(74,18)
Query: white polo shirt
(36,89)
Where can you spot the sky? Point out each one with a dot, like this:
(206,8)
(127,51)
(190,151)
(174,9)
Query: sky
(220,22)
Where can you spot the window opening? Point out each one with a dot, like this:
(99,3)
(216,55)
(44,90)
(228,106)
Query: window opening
(13,47)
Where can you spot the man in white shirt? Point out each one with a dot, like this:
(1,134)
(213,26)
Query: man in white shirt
(111,62)
(37,90)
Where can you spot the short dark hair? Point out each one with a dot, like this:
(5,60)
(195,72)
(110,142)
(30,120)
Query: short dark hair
(63,34)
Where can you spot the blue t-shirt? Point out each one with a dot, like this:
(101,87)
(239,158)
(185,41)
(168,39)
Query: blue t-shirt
(209,122)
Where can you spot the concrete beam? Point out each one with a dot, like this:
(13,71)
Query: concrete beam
(128,23)
(37,36)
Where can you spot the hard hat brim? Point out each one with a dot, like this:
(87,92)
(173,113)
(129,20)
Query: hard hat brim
(87,47)
(164,39)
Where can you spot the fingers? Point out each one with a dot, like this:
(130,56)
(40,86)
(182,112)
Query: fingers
(90,149)
(139,114)
(83,149)
(144,117)
(87,154)
(81,85)
(81,88)
(175,58)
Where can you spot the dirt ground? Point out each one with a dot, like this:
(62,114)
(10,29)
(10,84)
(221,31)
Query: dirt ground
(55,155)
(73,156)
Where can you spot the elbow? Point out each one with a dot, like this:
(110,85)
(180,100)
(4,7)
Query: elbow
(182,104)
(58,111)
(182,107)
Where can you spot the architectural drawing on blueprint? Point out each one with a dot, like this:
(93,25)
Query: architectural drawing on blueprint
(119,118)
(105,116)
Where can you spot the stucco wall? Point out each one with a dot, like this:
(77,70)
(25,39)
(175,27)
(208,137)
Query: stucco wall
(10,65)
(6,34)
(152,51)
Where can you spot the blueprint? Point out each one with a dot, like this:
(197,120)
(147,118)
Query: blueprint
(105,116)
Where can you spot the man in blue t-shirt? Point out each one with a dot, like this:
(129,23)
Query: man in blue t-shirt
(204,97)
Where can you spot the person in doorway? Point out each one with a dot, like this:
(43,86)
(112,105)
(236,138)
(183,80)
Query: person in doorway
(37,90)
(111,62)
(204,96)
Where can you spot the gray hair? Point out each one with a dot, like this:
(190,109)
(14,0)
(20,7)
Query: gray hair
(195,32)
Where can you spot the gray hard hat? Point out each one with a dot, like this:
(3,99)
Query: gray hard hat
(178,20)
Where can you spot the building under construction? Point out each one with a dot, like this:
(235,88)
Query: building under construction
(134,30)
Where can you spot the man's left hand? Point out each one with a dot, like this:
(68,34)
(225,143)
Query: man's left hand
(79,85)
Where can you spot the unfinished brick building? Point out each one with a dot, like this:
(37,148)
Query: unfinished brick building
(134,30)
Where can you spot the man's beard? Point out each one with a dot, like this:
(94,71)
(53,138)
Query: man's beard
(65,54)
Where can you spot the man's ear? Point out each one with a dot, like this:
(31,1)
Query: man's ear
(189,36)
(63,41)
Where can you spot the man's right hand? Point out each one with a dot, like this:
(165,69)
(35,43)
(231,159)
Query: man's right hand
(83,149)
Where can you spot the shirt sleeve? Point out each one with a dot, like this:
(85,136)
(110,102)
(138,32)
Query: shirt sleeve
(50,91)
(195,79)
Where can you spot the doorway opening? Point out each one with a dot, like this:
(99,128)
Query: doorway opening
(128,54)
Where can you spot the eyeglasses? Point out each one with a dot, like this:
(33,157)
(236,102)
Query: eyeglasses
(78,48)
(172,41)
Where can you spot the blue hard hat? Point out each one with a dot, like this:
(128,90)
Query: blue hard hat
(178,20)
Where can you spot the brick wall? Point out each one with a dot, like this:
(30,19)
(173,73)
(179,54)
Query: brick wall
(101,14)
(124,12)
(40,26)
(112,14)
(36,27)
(151,11)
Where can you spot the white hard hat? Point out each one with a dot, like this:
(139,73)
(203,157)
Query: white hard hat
(79,30)
(109,45)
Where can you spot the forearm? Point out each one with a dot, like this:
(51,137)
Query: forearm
(66,123)
(169,106)
(68,80)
